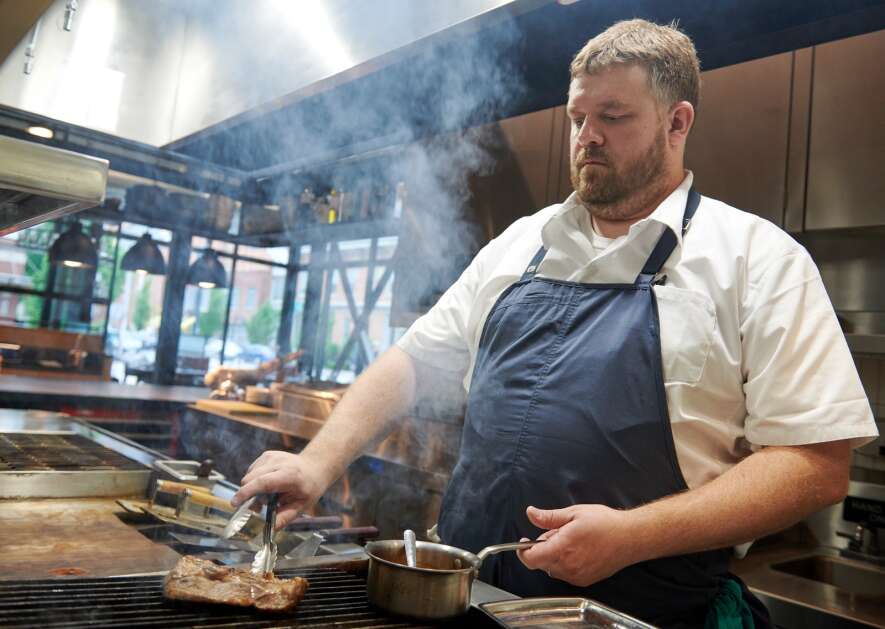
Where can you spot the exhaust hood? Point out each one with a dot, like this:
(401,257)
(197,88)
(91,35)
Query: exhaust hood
(39,183)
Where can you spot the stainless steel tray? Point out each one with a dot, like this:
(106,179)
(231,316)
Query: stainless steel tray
(559,613)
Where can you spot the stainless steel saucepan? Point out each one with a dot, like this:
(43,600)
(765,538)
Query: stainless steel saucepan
(437,587)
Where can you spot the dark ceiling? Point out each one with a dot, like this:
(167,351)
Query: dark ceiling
(508,65)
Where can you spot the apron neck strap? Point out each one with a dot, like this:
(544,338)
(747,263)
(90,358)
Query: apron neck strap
(532,268)
(666,245)
(667,242)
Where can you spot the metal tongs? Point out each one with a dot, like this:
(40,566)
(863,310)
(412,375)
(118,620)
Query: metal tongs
(266,558)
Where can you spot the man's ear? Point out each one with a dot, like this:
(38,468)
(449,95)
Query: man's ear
(680,120)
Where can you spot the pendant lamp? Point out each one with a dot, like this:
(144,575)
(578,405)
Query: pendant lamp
(74,249)
(207,272)
(145,256)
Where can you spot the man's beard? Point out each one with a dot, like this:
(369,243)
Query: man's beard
(618,193)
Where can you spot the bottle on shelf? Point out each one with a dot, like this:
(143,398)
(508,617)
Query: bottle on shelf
(332,202)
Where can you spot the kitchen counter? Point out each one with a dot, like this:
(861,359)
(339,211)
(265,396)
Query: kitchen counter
(810,601)
(30,387)
(66,537)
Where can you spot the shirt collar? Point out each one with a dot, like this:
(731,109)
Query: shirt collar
(669,213)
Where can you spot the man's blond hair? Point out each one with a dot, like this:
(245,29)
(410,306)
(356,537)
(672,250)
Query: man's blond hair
(667,54)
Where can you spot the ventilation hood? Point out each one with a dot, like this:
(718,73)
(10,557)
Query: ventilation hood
(39,183)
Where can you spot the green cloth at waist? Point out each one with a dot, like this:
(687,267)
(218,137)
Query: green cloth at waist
(729,610)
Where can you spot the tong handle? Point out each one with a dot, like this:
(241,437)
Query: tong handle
(174,487)
(208,500)
(271,518)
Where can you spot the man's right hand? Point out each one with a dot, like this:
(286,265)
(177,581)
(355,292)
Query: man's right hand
(298,482)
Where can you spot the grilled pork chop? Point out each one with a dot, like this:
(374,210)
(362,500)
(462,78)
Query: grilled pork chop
(202,581)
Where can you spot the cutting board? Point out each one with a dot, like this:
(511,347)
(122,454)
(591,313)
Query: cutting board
(42,539)
(234,407)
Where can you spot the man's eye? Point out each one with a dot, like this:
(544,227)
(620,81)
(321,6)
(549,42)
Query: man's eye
(609,118)
(577,122)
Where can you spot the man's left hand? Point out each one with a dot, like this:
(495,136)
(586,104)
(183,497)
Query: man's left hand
(584,543)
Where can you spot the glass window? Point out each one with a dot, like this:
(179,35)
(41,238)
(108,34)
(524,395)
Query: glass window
(277,255)
(355,250)
(386,247)
(135,230)
(334,336)
(134,320)
(22,311)
(202,328)
(254,320)
(304,255)
(61,297)
(276,290)
(24,262)
(298,309)
(219,246)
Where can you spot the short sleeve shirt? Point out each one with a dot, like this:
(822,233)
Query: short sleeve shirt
(752,352)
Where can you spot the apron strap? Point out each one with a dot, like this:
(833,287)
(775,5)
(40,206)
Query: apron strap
(532,268)
(667,242)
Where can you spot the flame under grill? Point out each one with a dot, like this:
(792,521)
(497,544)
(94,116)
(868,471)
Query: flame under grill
(334,599)
(27,452)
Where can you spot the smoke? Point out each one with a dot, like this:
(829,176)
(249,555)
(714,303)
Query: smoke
(420,120)
(415,124)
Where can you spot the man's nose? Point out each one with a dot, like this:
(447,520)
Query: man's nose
(588,134)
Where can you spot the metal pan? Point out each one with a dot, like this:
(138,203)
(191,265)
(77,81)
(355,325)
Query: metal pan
(438,587)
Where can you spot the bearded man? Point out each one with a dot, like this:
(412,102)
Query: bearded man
(654,378)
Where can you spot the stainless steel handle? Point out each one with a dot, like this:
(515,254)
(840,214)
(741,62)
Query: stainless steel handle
(410,546)
(271,518)
(500,548)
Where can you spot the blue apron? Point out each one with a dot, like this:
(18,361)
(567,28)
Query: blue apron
(567,406)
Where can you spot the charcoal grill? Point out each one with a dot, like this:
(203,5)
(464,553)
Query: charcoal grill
(335,598)
(24,452)
(47,455)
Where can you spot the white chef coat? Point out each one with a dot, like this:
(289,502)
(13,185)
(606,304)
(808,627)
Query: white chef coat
(752,352)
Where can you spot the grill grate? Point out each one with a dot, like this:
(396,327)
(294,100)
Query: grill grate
(25,452)
(334,599)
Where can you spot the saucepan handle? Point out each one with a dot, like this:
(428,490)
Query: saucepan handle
(500,548)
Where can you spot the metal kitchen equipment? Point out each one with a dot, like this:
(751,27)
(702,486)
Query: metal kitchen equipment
(310,403)
(437,588)
(39,183)
(336,597)
(266,558)
(239,519)
(306,549)
(48,455)
(196,472)
(568,613)
(411,547)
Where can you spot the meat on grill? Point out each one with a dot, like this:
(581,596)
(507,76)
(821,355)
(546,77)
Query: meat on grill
(200,580)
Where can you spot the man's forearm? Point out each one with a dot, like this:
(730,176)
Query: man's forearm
(384,392)
(764,493)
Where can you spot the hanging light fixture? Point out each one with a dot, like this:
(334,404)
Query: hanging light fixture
(73,249)
(144,256)
(207,272)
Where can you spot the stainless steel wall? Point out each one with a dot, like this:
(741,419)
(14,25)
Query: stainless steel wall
(157,70)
